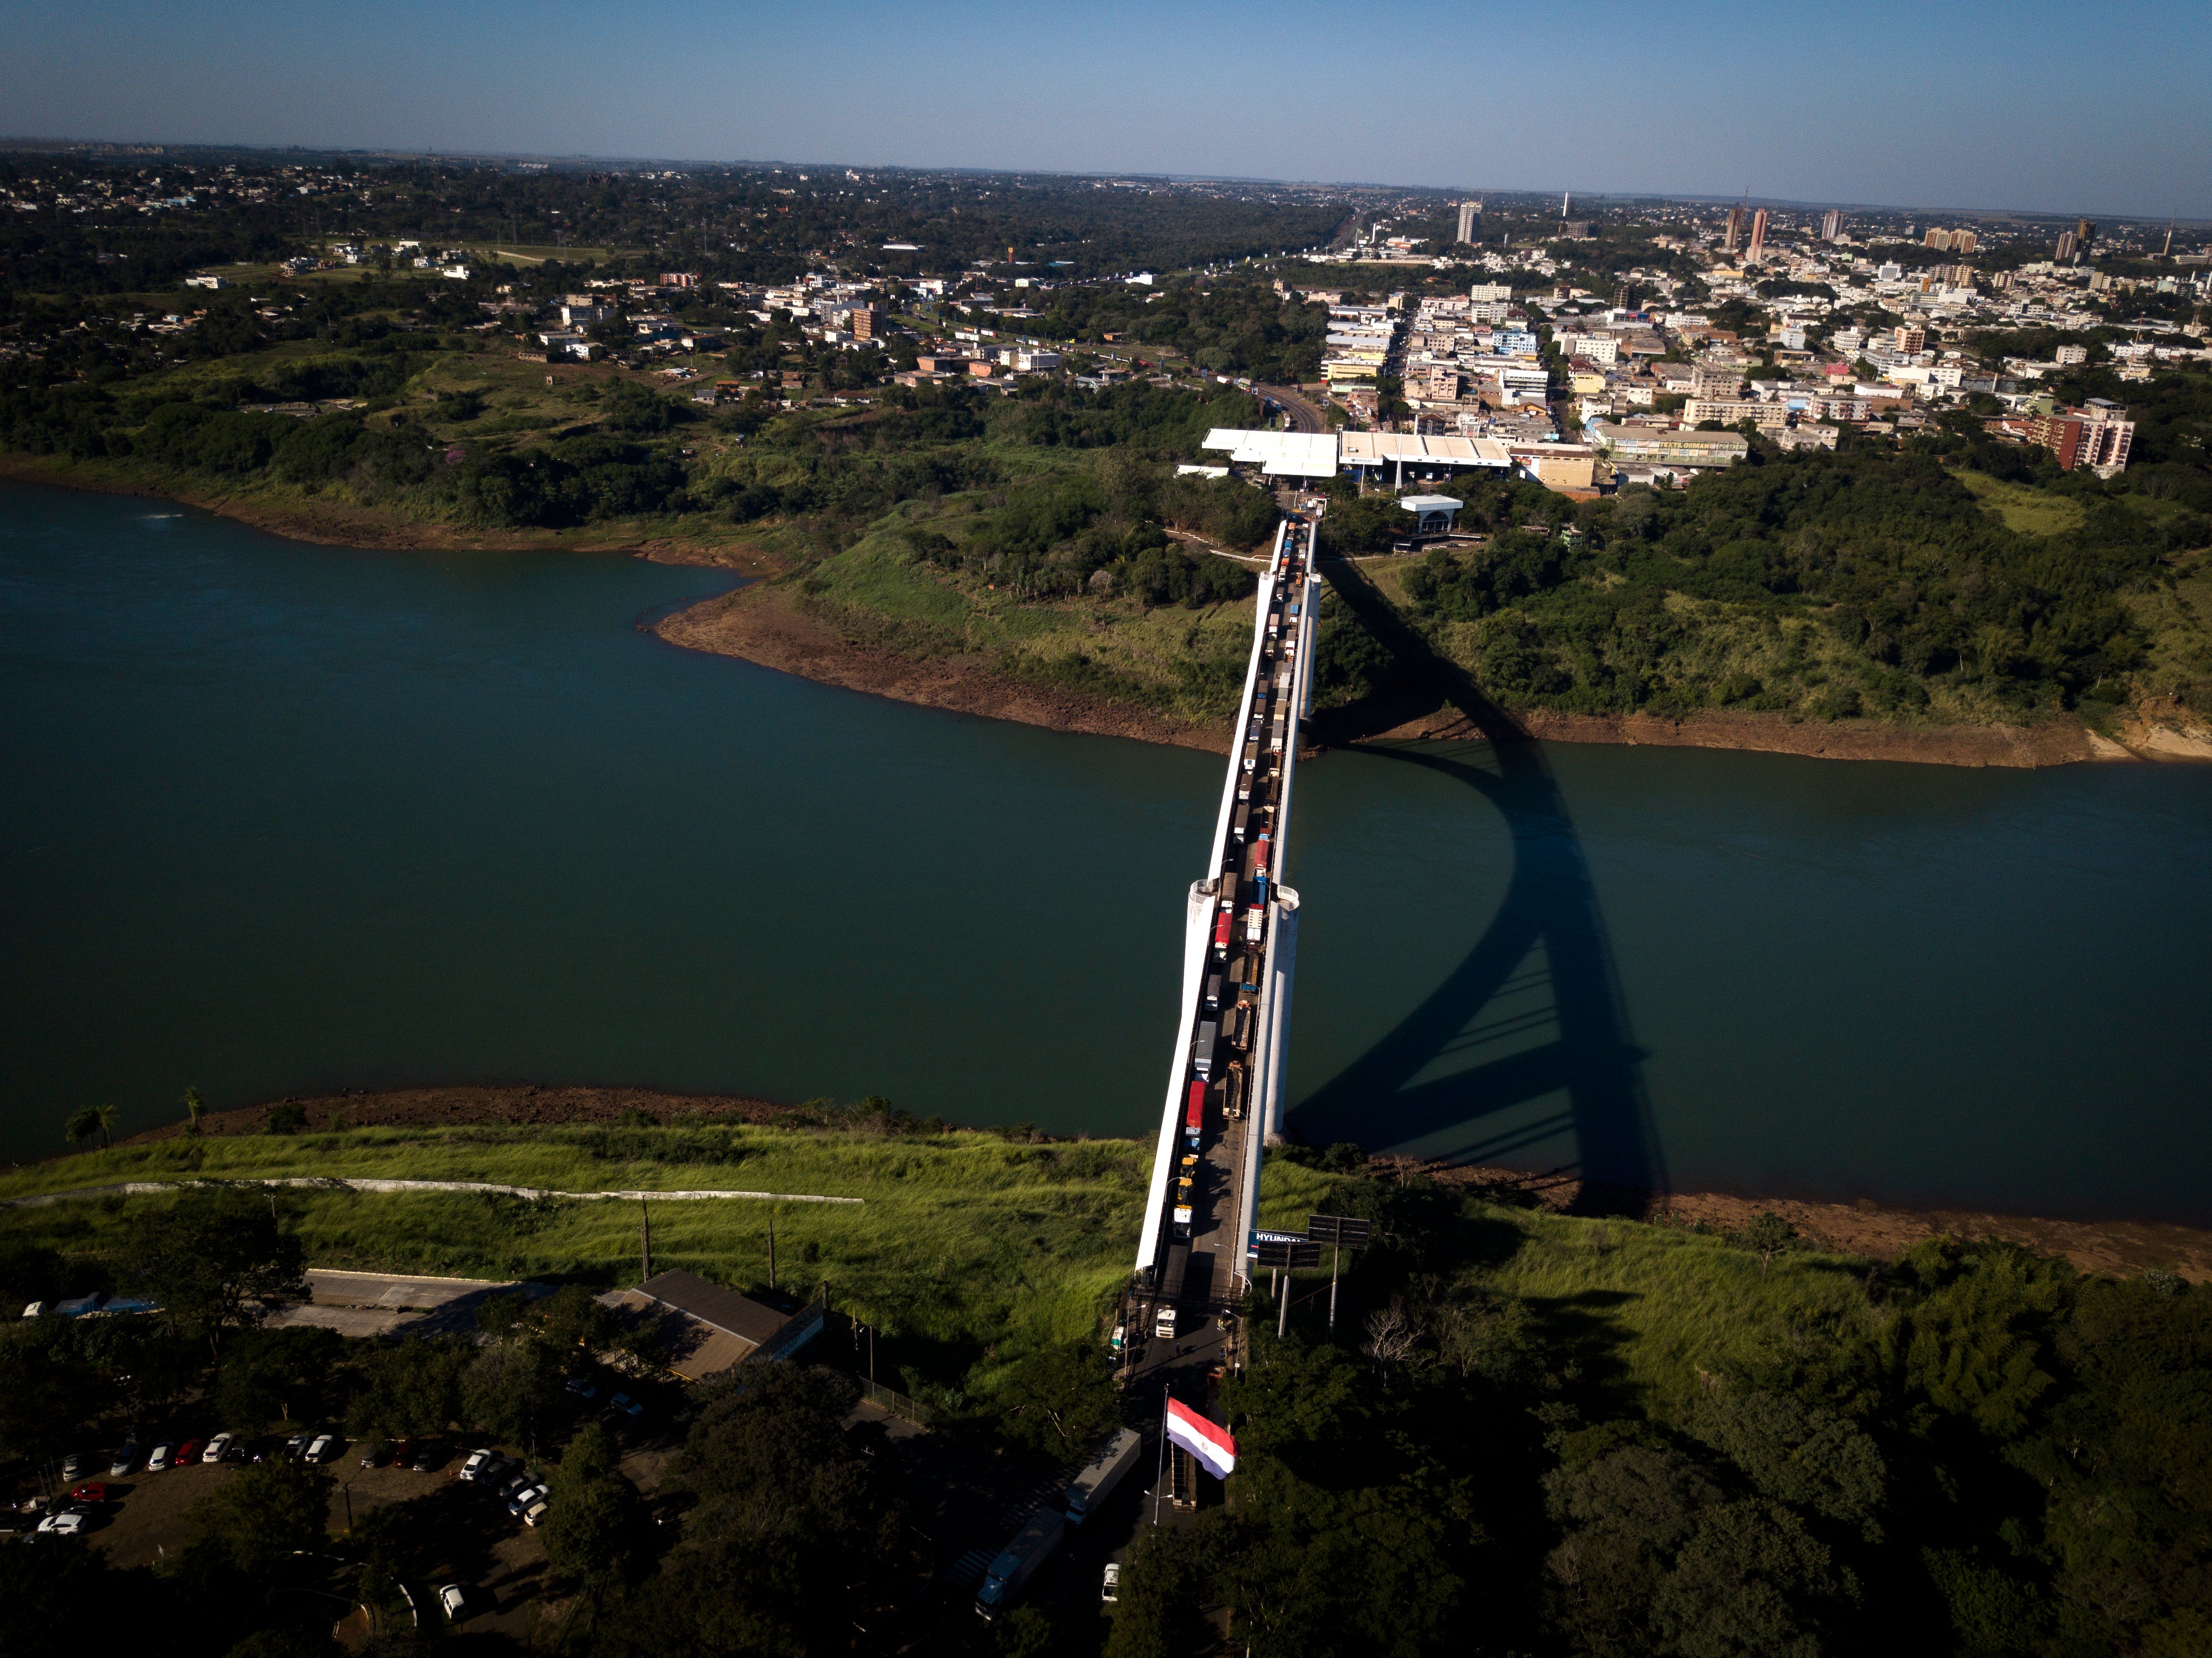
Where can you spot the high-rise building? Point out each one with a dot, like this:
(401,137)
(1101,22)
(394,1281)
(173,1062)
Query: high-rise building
(1733,239)
(1758,248)
(1964,242)
(1832,226)
(1912,341)
(1470,219)
(2085,231)
(1937,239)
(2068,249)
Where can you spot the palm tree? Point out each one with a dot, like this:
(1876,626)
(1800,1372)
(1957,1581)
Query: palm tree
(106,1117)
(195,1108)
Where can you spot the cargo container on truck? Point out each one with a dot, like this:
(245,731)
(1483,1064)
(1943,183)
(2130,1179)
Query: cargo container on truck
(1031,1546)
(1194,1110)
(1201,1049)
(1088,1491)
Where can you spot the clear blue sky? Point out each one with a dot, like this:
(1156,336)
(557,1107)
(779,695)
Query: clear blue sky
(2101,109)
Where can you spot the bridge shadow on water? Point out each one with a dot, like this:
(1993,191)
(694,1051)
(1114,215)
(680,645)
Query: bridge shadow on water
(1524,1045)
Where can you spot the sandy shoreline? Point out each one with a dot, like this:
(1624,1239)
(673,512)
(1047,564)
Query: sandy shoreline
(2117,1248)
(764,624)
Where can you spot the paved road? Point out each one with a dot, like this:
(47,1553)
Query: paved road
(1304,415)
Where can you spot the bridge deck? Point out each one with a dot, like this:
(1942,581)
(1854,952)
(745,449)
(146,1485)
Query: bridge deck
(1196,1240)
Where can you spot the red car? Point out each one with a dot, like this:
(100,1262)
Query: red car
(92,1490)
(189,1452)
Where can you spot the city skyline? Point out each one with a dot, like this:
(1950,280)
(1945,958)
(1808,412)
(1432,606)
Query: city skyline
(1982,114)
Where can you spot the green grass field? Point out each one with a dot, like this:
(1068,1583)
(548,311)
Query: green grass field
(1187,663)
(969,1251)
(2029,512)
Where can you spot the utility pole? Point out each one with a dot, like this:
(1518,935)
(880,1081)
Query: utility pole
(1283,1316)
(771,1251)
(645,1237)
(1336,1253)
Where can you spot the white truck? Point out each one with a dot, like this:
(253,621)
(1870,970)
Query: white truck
(1088,1491)
(1032,1546)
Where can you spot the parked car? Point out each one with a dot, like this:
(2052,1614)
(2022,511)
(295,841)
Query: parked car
(426,1458)
(296,1446)
(524,1499)
(374,1456)
(1111,1588)
(237,1451)
(125,1460)
(627,1406)
(520,1480)
(477,1462)
(70,1524)
(403,1453)
(92,1490)
(188,1453)
(218,1447)
(72,1467)
(164,1456)
(581,1389)
(321,1449)
(535,1512)
(455,1601)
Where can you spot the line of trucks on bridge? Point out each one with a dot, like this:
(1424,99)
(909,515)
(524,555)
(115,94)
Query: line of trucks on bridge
(1225,1022)
(1033,1545)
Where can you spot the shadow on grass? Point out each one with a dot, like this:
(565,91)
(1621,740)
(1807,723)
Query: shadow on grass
(1547,939)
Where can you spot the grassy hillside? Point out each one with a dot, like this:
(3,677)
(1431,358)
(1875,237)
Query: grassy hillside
(967,1244)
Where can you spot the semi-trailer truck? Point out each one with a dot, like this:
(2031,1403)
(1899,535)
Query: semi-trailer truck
(1031,1546)
(1088,1491)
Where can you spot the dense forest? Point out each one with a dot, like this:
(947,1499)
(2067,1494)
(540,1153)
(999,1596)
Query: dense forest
(1226,326)
(754,224)
(1863,581)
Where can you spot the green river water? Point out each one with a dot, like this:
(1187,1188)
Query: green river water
(280,817)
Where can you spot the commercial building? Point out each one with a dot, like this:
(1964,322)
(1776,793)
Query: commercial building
(1832,226)
(1470,221)
(1732,238)
(1757,251)
(1664,446)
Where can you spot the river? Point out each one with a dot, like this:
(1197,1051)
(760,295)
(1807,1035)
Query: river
(282,818)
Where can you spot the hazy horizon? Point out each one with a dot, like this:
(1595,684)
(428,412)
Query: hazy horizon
(1981,108)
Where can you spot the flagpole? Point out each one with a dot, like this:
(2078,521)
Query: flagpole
(1159,1474)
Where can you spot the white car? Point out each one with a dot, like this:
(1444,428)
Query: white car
(163,1456)
(322,1449)
(520,1502)
(455,1599)
(63,1525)
(125,1460)
(476,1463)
(535,1512)
(1111,1588)
(217,1447)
